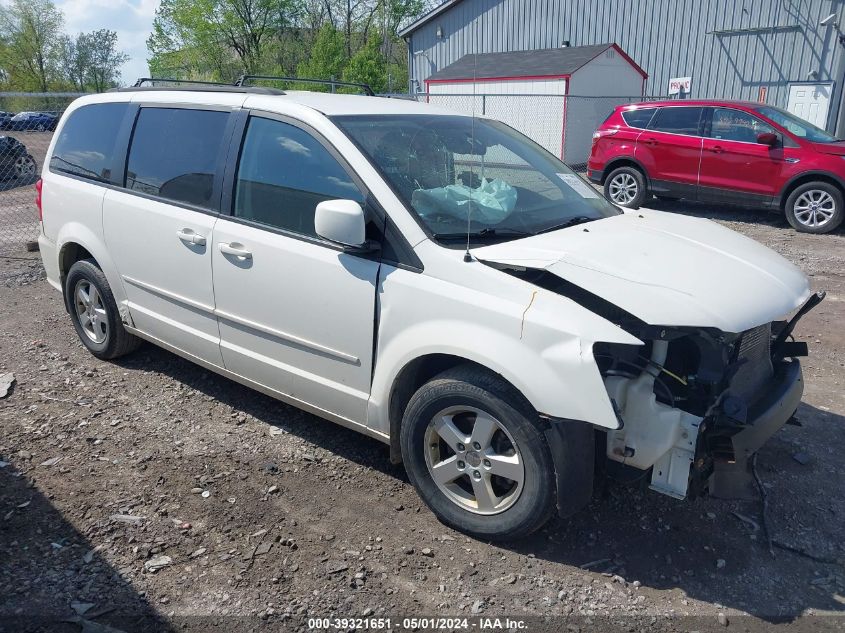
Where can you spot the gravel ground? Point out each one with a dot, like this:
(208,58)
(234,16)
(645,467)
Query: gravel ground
(150,494)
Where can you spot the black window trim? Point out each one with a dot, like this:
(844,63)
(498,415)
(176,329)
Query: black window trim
(410,261)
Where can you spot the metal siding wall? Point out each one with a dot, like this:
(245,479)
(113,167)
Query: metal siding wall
(668,38)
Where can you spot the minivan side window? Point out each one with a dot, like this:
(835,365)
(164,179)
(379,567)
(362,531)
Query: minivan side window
(85,146)
(728,124)
(174,153)
(677,120)
(638,118)
(284,173)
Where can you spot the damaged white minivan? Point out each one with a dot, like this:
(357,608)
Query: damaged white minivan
(436,281)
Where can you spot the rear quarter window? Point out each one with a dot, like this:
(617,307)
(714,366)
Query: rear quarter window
(85,146)
(638,118)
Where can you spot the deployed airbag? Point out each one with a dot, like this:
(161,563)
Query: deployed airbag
(491,202)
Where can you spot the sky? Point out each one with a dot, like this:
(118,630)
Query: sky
(132,19)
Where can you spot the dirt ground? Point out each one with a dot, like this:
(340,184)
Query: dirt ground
(150,494)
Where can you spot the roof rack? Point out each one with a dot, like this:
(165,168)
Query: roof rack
(196,86)
(325,82)
(153,80)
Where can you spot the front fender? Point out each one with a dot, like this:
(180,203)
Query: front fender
(542,346)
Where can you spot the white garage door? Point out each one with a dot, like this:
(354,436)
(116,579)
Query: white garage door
(810,102)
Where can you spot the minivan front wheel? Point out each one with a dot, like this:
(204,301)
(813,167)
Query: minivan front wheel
(626,187)
(94,312)
(474,451)
(815,207)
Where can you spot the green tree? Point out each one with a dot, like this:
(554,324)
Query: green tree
(218,37)
(74,60)
(99,49)
(32,30)
(328,56)
(368,65)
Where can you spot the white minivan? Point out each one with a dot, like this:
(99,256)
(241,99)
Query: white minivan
(434,280)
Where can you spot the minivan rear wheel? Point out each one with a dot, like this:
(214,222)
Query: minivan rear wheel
(626,187)
(815,207)
(473,449)
(94,312)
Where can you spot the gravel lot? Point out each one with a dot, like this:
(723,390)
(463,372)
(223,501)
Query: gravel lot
(150,494)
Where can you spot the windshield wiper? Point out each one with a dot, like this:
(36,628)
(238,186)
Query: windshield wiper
(578,219)
(483,233)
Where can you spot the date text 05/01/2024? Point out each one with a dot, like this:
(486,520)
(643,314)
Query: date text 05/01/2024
(417,624)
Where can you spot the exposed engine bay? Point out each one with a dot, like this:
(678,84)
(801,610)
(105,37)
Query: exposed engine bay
(693,404)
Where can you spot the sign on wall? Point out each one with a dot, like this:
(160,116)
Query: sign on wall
(680,85)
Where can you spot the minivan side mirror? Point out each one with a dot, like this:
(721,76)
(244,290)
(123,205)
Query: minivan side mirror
(341,221)
(768,138)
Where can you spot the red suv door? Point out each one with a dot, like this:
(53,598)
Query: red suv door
(735,167)
(670,150)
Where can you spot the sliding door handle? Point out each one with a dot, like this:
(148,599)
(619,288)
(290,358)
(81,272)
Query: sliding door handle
(235,249)
(188,235)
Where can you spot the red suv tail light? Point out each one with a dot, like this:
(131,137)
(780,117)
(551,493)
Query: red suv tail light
(602,133)
(38,186)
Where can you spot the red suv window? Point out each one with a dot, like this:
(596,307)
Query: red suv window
(638,118)
(677,120)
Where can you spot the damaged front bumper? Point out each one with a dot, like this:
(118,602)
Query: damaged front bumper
(696,407)
(731,477)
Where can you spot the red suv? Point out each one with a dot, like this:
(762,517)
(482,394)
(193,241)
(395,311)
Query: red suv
(731,152)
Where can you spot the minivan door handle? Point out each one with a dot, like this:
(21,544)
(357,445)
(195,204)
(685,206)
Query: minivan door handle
(188,235)
(717,149)
(650,141)
(234,249)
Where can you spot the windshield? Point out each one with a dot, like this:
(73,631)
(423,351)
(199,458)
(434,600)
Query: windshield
(797,126)
(480,177)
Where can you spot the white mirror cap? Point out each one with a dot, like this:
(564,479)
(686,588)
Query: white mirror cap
(340,221)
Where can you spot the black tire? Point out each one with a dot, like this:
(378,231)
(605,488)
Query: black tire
(802,219)
(626,187)
(117,341)
(474,387)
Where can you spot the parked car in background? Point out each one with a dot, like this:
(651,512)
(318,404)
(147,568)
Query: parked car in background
(447,286)
(5,119)
(731,152)
(33,121)
(15,161)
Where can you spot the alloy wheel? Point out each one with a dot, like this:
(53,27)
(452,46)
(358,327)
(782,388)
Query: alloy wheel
(814,208)
(25,167)
(473,460)
(91,311)
(623,188)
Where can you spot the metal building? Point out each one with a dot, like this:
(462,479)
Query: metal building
(788,53)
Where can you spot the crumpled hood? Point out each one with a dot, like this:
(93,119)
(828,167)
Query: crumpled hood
(666,269)
(837,149)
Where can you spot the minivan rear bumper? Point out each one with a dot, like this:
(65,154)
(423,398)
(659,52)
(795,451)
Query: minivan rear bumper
(50,259)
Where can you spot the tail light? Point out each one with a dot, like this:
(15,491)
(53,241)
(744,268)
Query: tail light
(38,186)
(602,133)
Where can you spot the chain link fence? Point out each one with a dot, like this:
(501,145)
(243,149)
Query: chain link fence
(27,122)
